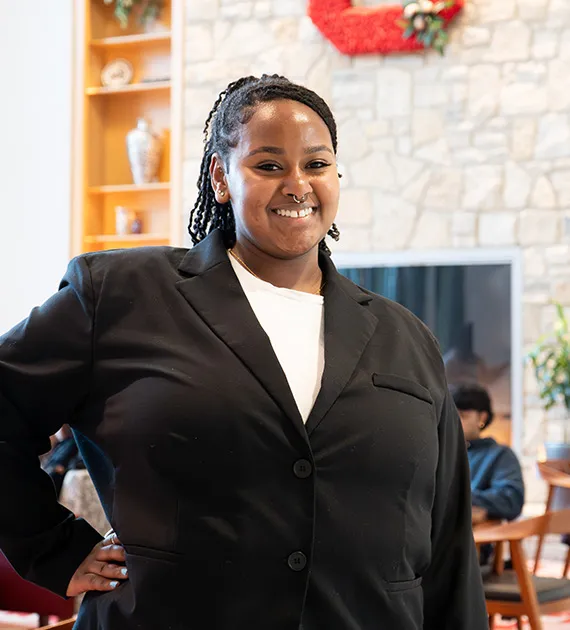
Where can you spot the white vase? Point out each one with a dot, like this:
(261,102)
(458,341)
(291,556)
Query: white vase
(144,149)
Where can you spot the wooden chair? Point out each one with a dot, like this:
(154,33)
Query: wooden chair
(556,473)
(62,625)
(515,593)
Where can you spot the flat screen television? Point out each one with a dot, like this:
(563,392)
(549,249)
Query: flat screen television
(468,308)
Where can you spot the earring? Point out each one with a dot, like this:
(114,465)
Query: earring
(340,175)
(222,193)
(334,232)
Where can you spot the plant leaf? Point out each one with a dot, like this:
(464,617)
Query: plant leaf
(122,14)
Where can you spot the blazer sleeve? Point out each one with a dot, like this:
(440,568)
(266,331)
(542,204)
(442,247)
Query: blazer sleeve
(45,367)
(452,585)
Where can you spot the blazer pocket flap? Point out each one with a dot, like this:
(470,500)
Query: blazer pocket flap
(404,385)
(408,585)
(153,553)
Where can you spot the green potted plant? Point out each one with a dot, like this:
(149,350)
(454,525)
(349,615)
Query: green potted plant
(550,359)
(146,10)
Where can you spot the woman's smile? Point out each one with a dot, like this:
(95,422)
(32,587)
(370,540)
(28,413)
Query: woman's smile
(301,213)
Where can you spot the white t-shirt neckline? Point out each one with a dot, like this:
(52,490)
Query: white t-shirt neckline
(294,322)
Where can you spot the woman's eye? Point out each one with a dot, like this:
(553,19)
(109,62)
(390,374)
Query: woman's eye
(272,167)
(268,167)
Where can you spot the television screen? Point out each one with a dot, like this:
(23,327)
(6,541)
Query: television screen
(468,308)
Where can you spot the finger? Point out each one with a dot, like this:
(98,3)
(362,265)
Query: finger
(111,539)
(99,583)
(111,553)
(108,570)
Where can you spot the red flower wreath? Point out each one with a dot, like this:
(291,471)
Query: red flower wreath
(360,30)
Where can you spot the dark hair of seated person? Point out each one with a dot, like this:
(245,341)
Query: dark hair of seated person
(473,397)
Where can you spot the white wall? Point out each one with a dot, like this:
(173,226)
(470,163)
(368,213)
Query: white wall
(35,152)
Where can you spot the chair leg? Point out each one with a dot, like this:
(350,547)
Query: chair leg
(491,622)
(519,624)
(540,540)
(44,620)
(528,593)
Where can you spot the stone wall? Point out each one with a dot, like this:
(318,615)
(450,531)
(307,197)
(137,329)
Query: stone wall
(469,150)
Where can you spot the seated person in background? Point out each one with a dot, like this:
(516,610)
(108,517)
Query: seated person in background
(497,485)
(63,456)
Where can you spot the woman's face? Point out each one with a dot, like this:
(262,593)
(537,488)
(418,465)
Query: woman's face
(285,149)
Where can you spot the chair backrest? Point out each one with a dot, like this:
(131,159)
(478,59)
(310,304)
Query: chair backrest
(557,522)
(62,625)
(549,523)
(563,465)
(555,472)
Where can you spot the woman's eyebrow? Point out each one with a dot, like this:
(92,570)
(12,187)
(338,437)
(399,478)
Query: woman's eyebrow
(274,150)
(318,148)
(278,151)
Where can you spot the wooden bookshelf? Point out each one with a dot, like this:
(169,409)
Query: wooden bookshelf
(143,40)
(103,116)
(138,239)
(129,188)
(149,86)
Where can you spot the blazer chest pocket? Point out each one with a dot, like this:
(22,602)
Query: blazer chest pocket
(407,585)
(153,554)
(402,385)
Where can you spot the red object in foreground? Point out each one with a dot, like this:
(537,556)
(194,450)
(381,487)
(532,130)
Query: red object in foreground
(18,595)
(361,30)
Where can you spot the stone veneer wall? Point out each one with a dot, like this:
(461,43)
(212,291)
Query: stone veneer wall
(469,150)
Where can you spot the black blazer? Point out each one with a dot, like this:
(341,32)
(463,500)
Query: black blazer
(234,514)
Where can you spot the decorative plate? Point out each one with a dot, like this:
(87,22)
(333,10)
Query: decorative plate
(117,73)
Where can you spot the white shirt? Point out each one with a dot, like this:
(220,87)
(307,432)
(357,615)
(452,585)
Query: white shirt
(295,324)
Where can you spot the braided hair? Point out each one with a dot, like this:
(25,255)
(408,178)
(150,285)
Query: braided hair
(235,106)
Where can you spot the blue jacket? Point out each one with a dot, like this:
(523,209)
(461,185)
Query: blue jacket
(496,479)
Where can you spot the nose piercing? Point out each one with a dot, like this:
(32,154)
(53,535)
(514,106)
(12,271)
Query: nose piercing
(297,200)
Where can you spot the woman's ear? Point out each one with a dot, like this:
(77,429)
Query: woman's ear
(218,179)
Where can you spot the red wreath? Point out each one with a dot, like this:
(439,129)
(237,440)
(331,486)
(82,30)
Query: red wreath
(360,30)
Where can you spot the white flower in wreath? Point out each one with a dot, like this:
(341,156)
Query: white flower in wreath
(438,7)
(411,9)
(426,6)
(419,23)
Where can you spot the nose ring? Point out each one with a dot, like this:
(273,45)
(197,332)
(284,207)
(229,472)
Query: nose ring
(297,200)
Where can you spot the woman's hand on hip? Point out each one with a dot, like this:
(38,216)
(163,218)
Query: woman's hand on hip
(102,570)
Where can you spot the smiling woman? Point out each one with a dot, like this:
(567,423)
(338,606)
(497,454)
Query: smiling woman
(269,179)
(275,447)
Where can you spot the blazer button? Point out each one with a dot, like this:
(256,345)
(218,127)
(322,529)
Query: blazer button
(302,468)
(297,561)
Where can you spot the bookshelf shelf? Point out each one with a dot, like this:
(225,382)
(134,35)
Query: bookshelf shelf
(140,40)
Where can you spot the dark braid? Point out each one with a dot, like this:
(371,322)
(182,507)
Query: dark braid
(235,106)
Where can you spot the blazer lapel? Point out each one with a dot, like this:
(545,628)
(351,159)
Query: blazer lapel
(215,293)
(349,325)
